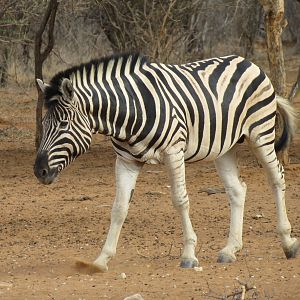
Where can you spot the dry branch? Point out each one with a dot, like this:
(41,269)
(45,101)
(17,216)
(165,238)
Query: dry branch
(40,56)
(5,7)
(237,294)
(295,88)
(161,29)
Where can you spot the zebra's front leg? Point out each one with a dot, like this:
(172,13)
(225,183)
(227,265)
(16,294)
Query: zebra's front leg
(126,175)
(176,169)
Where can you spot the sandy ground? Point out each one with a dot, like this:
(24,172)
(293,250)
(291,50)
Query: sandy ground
(44,229)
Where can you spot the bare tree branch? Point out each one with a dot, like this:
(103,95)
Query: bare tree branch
(4,8)
(49,18)
(295,88)
(40,56)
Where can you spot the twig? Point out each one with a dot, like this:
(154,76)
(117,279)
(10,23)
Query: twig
(244,288)
(295,88)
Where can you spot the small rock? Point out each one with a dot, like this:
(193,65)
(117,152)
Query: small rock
(5,284)
(134,297)
(123,276)
(212,191)
(85,198)
(258,216)
(198,269)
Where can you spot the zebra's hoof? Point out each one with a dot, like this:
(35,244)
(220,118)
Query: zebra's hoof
(188,263)
(89,268)
(226,258)
(292,251)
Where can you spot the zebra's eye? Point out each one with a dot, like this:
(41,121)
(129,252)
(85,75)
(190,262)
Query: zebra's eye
(63,124)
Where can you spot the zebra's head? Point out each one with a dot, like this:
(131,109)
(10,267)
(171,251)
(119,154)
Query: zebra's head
(66,130)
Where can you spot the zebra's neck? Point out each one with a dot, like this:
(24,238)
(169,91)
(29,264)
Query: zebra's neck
(105,93)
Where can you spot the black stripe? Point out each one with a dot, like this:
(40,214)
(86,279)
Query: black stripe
(118,147)
(217,73)
(122,104)
(133,103)
(112,100)
(211,115)
(254,108)
(95,101)
(199,106)
(253,86)
(83,91)
(267,132)
(261,121)
(182,98)
(163,99)
(103,99)
(267,143)
(228,95)
(150,107)
(108,98)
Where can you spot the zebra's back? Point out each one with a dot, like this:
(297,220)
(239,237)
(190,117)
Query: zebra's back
(205,107)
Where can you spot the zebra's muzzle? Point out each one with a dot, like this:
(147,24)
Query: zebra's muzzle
(42,170)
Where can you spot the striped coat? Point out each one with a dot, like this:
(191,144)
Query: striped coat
(162,113)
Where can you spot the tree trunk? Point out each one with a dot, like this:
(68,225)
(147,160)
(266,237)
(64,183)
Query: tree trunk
(39,58)
(3,66)
(274,24)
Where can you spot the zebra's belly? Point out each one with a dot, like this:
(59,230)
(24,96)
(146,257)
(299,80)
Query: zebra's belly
(138,152)
(193,151)
(206,150)
(202,154)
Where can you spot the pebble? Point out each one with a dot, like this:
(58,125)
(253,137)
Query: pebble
(198,269)
(123,276)
(5,284)
(258,216)
(134,297)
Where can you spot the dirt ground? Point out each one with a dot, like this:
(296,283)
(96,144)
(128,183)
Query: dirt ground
(44,229)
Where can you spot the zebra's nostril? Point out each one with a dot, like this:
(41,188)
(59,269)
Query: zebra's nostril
(44,172)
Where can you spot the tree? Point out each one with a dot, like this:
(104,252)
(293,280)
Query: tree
(16,18)
(163,30)
(40,56)
(275,22)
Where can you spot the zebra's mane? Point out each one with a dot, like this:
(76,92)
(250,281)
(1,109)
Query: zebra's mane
(55,83)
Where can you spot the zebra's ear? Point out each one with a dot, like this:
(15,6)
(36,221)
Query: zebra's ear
(42,85)
(67,88)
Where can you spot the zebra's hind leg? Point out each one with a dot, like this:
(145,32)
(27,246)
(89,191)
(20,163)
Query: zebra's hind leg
(266,154)
(236,190)
(176,169)
(126,175)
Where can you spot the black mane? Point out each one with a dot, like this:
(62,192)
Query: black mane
(55,82)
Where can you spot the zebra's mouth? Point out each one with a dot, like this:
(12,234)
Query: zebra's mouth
(42,171)
(46,177)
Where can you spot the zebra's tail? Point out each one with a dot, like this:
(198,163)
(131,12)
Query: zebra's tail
(286,122)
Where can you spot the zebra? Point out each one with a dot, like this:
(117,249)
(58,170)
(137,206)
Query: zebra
(170,114)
